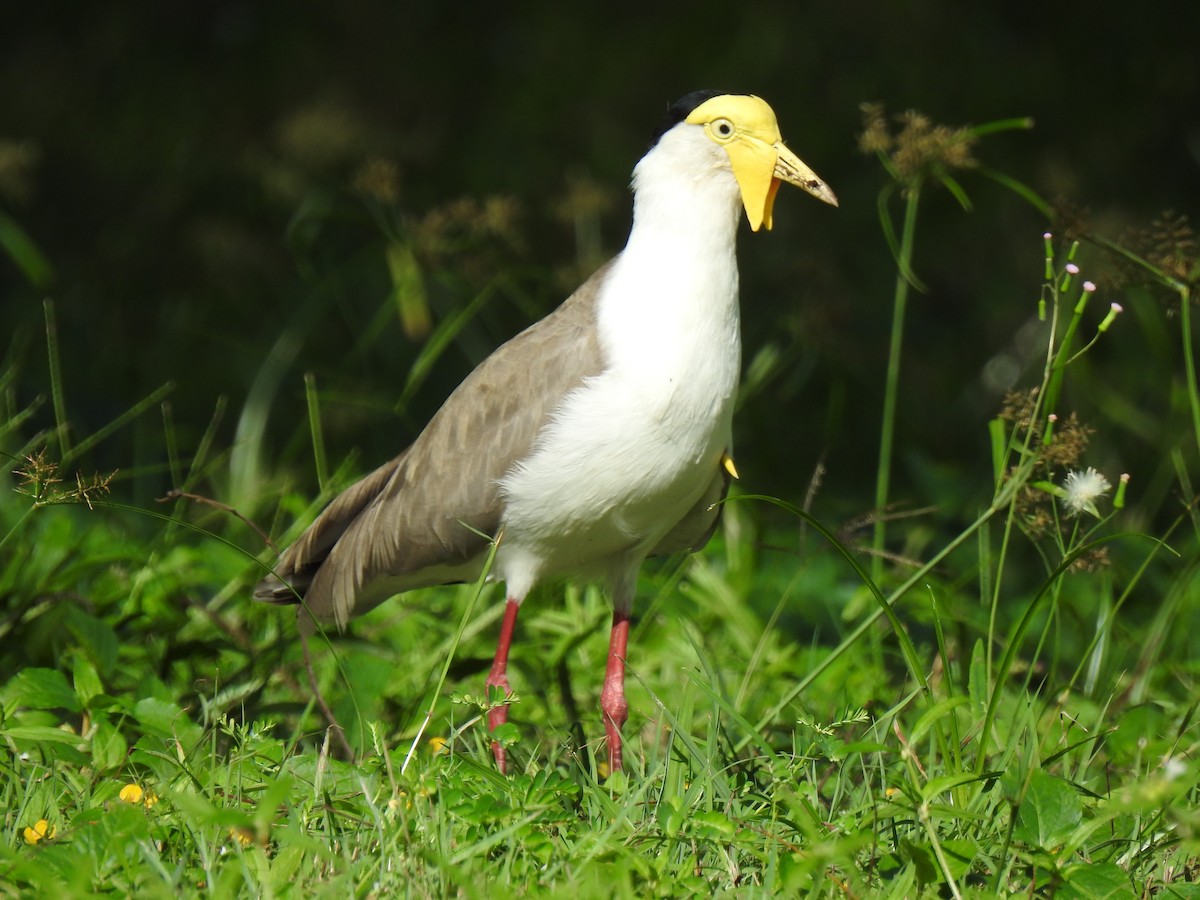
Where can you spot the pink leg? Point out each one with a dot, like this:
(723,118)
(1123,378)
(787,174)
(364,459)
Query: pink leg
(498,677)
(612,698)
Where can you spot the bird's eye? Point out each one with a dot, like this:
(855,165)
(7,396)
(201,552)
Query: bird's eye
(722,129)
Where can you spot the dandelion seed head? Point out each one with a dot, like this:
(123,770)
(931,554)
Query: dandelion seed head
(1083,488)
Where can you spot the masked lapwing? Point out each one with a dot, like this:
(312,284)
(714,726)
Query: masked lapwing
(595,438)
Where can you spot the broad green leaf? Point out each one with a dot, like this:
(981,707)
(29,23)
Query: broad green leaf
(86,679)
(34,688)
(41,734)
(959,855)
(922,858)
(1180,891)
(716,821)
(1049,813)
(108,747)
(1095,881)
(166,720)
(506,735)
(670,818)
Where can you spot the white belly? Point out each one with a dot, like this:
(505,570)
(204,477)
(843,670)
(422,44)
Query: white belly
(623,460)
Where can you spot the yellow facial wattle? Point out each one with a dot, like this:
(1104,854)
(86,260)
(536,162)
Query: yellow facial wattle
(746,127)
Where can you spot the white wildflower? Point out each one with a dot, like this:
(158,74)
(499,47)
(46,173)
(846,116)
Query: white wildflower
(1083,488)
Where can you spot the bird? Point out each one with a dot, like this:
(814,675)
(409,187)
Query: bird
(595,438)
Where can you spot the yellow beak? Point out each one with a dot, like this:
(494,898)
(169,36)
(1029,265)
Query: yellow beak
(759,168)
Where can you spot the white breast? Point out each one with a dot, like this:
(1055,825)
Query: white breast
(630,452)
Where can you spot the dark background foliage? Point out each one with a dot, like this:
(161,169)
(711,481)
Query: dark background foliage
(219,190)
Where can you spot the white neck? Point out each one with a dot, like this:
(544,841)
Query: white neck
(679,203)
(673,295)
(668,312)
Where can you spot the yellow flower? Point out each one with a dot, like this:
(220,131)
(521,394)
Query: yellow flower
(134,793)
(438,745)
(243,836)
(41,830)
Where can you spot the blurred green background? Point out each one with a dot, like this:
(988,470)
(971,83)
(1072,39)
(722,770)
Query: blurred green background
(227,195)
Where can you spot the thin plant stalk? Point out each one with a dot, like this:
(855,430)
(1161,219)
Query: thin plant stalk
(1058,355)
(892,384)
(318,435)
(56,385)
(1189,360)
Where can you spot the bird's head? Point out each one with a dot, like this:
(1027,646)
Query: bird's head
(744,127)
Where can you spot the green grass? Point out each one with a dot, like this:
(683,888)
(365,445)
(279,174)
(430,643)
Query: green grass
(864,782)
(1005,702)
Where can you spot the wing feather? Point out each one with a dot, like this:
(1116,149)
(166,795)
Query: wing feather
(416,520)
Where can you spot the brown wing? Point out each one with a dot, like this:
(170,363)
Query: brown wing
(412,521)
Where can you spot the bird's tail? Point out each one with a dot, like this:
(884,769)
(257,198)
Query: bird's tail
(274,589)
